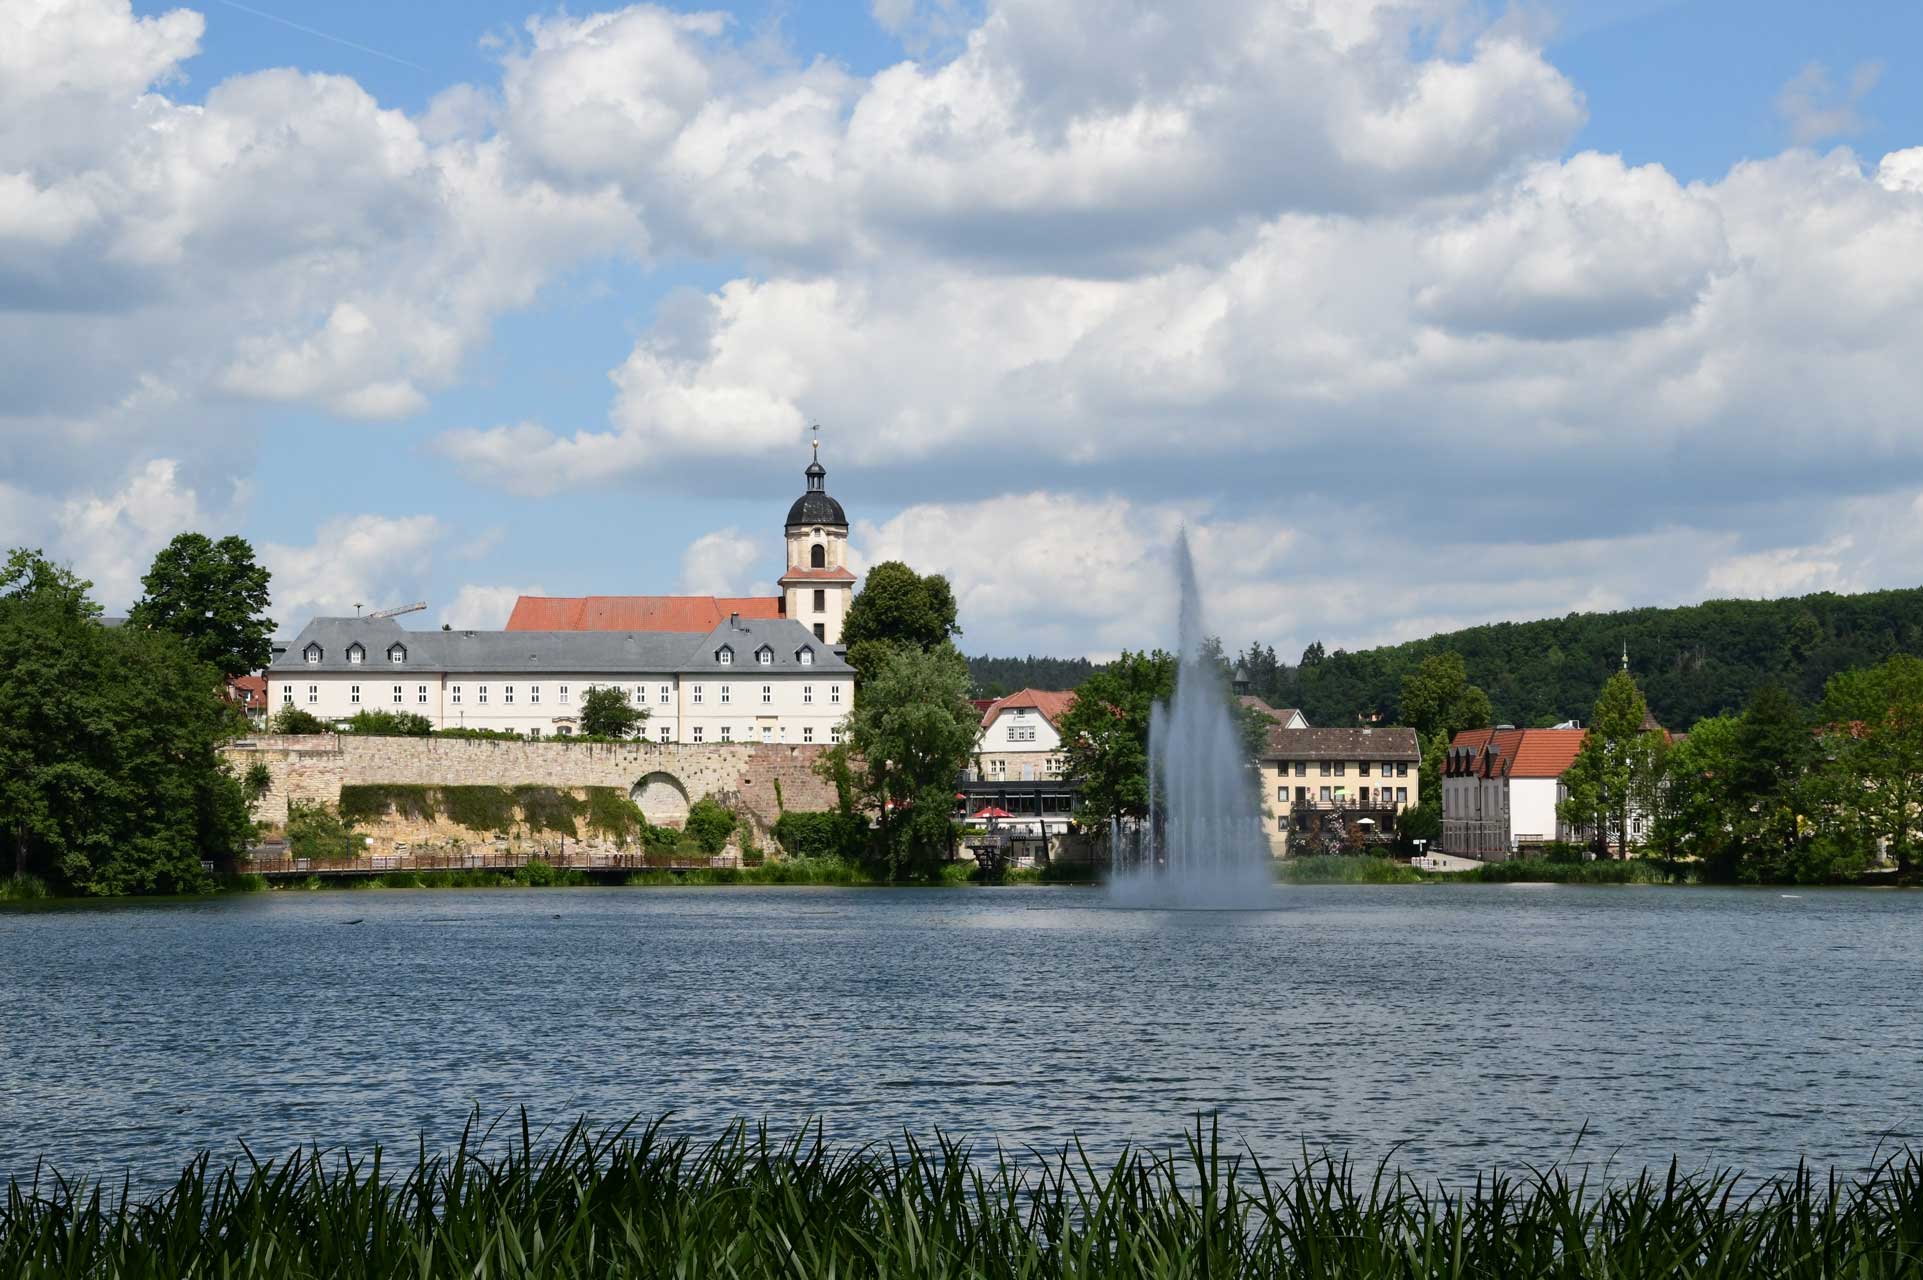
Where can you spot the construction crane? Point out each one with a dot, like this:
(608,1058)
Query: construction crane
(416,607)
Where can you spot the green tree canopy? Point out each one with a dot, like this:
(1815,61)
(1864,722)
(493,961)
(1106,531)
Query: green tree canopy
(1105,732)
(1613,768)
(897,607)
(606,712)
(1873,744)
(214,597)
(912,733)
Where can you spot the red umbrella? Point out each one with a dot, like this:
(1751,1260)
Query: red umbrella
(993,812)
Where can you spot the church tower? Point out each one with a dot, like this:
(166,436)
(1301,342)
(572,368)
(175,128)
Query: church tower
(817,588)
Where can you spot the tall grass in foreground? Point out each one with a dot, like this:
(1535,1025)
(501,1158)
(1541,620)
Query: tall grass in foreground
(23,888)
(627,1203)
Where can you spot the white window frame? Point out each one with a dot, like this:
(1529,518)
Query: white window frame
(420,694)
(765,656)
(454,694)
(397,654)
(480,694)
(356,654)
(313,694)
(724,656)
(727,694)
(697,694)
(313,654)
(767,694)
(807,733)
(564,695)
(807,695)
(507,695)
(667,693)
(354,695)
(727,733)
(834,693)
(806,657)
(662,735)
(400,695)
(534,695)
(697,733)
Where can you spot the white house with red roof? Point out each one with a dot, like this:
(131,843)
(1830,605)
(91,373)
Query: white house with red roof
(1500,788)
(1021,738)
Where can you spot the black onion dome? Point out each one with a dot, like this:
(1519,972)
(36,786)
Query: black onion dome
(815,506)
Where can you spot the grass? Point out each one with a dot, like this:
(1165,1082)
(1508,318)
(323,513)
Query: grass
(1334,868)
(642,1203)
(24,888)
(1539,871)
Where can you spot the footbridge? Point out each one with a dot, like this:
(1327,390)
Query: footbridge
(380,864)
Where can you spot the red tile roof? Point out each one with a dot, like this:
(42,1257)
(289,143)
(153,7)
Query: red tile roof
(1521,753)
(1050,702)
(248,690)
(819,575)
(1281,715)
(700,614)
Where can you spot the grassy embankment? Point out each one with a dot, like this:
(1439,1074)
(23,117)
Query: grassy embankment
(644,1204)
(1363,869)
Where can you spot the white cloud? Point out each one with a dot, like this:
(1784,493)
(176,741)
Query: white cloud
(372,561)
(723,563)
(477,607)
(112,538)
(1814,109)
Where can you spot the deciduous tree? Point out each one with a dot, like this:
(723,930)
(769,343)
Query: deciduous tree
(214,597)
(606,712)
(912,733)
(1105,732)
(1873,746)
(897,607)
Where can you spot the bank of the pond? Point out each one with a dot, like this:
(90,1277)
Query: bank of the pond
(642,1203)
(773,872)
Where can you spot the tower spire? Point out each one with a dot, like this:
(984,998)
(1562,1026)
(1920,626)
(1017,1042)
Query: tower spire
(1625,657)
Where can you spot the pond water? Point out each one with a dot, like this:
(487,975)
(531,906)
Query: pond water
(1472,1025)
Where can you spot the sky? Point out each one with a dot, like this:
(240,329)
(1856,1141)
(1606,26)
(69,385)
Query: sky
(1415,313)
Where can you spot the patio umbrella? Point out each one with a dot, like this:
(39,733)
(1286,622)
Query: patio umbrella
(993,812)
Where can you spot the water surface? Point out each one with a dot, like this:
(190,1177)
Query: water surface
(1473,1025)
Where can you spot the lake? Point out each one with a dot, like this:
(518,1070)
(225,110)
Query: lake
(1473,1025)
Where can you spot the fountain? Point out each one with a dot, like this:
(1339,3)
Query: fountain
(1202,845)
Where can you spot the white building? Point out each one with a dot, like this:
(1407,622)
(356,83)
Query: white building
(1500,788)
(1021,740)
(748,680)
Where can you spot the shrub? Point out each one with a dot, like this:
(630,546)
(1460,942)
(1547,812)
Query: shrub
(821,835)
(710,824)
(1541,871)
(316,831)
(538,874)
(611,813)
(390,724)
(257,781)
(370,802)
(296,720)
(549,809)
(24,888)
(1346,869)
(481,735)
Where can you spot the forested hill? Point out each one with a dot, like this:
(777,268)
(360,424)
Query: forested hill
(997,676)
(1692,662)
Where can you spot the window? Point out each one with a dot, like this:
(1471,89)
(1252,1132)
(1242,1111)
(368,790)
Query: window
(806,657)
(400,695)
(313,693)
(1341,795)
(767,694)
(767,733)
(397,654)
(725,656)
(564,732)
(1282,768)
(354,694)
(1402,768)
(727,733)
(1301,768)
(697,695)
(1363,768)
(817,559)
(1402,795)
(807,733)
(1301,795)
(454,694)
(667,691)
(821,600)
(1362,795)
(1328,767)
(1325,795)
(1281,824)
(534,693)
(697,733)
(998,769)
(834,734)
(834,693)
(480,695)
(312,653)
(1340,765)
(661,734)
(507,693)
(564,695)
(1281,795)
(807,695)
(287,695)
(420,694)
(355,653)
(821,631)
(727,694)
(765,656)
(534,733)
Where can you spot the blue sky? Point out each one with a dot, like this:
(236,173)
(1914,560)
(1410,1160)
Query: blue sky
(1421,315)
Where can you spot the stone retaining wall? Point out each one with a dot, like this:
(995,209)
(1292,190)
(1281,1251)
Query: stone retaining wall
(745,776)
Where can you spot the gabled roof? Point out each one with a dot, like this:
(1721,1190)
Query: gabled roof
(1342,744)
(1052,703)
(1281,715)
(693,614)
(1520,753)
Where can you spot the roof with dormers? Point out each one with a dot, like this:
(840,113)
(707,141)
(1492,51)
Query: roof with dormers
(1387,743)
(584,653)
(636,613)
(1051,703)
(1513,753)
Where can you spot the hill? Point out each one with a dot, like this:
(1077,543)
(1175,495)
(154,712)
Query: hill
(1694,661)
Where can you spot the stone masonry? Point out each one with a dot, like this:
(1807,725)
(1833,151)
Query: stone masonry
(314,768)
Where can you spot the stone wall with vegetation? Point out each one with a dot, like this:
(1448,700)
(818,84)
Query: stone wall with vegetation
(757,781)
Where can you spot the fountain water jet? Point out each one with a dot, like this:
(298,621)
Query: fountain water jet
(1202,845)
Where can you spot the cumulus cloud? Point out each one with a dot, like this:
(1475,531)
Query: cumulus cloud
(723,563)
(478,607)
(112,538)
(1815,109)
(370,561)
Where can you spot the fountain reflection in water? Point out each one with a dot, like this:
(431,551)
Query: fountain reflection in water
(1202,845)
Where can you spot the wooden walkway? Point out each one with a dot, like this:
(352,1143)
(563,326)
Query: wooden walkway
(378,864)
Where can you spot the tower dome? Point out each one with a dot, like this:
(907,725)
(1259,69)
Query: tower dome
(814,506)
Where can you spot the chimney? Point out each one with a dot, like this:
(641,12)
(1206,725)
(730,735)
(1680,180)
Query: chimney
(734,621)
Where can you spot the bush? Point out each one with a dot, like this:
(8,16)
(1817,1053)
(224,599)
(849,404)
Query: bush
(822,835)
(390,724)
(611,813)
(481,735)
(295,720)
(371,802)
(1541,871)
(24,888)
(540,875)
(710,824)
(316,831)
(1346,869)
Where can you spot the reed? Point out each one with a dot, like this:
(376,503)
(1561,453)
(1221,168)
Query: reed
(631,1202)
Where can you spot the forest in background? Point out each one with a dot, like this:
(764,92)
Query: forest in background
(1691,662)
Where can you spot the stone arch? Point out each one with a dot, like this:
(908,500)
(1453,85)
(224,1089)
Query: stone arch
(662,799)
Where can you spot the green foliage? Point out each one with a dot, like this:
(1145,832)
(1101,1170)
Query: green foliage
(640,1202)
(1617,767)
(214,597)
(606,712)
(549,809)
(998,677)
(298,720)
(479,808)
(913,731)
(257,781)
(373,801)
(1338,868)
(481,735)
(1105,732)
(316,831)
(1438,702)
(897,608)
(536,874)
(1544,871)
(822,835)
(1872,782)
(23,888)
(111,781)
(611,813)
(710,824)
(390,724)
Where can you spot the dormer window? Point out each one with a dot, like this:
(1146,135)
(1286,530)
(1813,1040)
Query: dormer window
(312,653)
(765,656)
(725,656)
(397,654)
(356,652)
(806,657)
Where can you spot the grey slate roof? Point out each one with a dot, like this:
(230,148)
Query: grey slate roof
(585,653)
(1342,744)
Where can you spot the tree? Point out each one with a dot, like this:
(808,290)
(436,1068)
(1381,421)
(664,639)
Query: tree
(214,597)
(29,576)
(1775,750)
(1611,768)
(1873,744)
(1438,702)
(709,824)
(897,606)
(912,733)
(607,713)
(298,720)
(1105,732)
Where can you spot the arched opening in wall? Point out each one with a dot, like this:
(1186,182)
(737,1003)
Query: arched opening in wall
(818,557)
(662,799)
